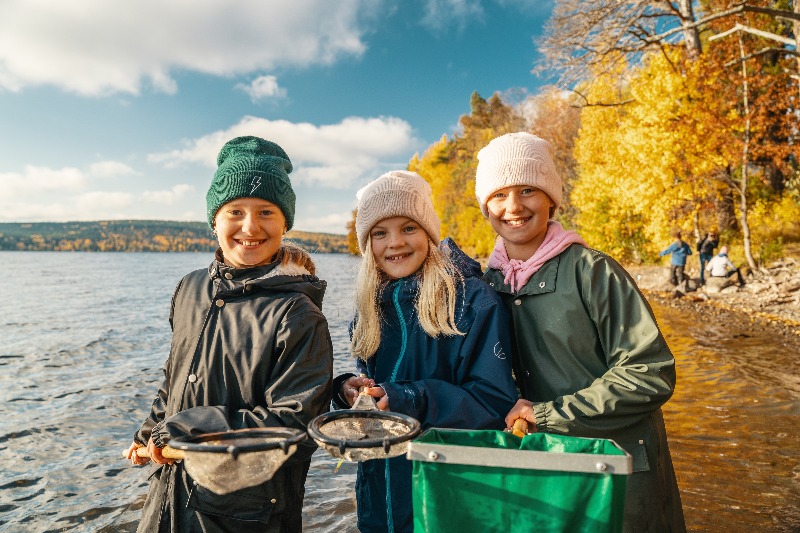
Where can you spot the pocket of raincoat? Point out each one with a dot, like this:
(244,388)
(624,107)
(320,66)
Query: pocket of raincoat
(252,504)
(638,451)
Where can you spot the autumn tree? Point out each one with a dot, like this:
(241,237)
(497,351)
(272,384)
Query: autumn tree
(352,238)
(643,165)
(757,54)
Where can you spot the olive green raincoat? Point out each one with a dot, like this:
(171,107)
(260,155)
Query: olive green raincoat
(589,355)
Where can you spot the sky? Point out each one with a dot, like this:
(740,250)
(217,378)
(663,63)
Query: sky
(117,110)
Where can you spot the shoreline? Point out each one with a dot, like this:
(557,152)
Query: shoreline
(770,299)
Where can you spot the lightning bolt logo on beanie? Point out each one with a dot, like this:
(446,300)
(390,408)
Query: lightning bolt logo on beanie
(255,183)
(251,167)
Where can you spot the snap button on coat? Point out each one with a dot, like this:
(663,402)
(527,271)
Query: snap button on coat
(220,302)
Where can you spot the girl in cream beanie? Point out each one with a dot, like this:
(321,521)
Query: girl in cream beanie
(589,360)
(431,339)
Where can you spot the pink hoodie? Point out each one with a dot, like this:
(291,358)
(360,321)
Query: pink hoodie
(518,272)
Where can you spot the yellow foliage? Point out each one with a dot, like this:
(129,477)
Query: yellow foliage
(643,166)
(452,181)
(773,219)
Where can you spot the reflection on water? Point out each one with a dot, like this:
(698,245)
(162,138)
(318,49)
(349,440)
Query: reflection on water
(732,425)
(83,338)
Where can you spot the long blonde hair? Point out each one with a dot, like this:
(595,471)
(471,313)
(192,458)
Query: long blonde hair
(435,302)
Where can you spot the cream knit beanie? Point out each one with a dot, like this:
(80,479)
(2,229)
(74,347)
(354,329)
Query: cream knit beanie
(396,193)
(516,159)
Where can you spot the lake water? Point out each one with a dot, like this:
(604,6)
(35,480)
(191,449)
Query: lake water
(83,338)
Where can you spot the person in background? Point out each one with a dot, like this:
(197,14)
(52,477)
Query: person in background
(705,248)
(250,349)
(679,251)
(721,266)
(589,358)
(430,338)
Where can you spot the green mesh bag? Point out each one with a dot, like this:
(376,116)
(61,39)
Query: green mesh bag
(466,481)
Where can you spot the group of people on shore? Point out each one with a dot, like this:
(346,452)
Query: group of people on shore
(717,266)
(553,332)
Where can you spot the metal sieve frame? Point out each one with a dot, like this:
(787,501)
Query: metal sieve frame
(343,444)
(196,444)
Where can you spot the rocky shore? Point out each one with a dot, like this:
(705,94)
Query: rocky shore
(769,299)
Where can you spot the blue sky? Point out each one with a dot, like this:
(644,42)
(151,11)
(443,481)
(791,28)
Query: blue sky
(117,110)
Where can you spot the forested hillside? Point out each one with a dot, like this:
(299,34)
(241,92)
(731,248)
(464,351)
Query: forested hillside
(137,236)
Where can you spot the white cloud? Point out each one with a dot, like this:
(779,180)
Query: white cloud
(263,87)
(103,202)
(109,169)
(333,155)
(168,197)
(46,194)
(33,180)
(440,14)
(96,47)
(331,223)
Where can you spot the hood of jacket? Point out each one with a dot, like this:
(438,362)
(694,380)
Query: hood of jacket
(468,267)
(276,277)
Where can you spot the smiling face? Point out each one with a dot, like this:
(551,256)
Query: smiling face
(250,231)
(519,214)
(399,246)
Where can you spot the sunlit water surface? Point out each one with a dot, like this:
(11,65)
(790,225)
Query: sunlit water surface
(83,338)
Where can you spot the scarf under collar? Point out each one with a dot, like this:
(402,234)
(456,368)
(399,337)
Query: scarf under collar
(518,272)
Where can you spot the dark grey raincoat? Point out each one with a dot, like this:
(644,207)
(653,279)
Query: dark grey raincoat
(250,349)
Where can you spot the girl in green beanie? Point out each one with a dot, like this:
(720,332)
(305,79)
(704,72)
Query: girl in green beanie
(250,349)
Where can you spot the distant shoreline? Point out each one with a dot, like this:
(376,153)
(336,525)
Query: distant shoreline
(137,236)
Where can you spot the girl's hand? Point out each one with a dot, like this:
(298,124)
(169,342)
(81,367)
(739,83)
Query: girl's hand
(134,457)
(155,454)
(380,395)
(522,409)
(351,387)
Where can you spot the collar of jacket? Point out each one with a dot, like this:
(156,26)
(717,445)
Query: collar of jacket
(275,276)
(409,286)
(544,280)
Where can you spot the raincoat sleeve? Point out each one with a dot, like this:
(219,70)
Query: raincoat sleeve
(641,369)
(159,406)
(156,415)
(298,387)
(482,390)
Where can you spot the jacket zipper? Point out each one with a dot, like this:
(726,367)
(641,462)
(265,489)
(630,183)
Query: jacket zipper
(404,339)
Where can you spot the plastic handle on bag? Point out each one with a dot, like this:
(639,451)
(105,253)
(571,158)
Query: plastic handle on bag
(520,428)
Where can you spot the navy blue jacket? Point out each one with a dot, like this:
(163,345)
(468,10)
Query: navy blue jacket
(461,381)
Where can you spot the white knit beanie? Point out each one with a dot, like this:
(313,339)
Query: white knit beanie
(396,193)
(516,159)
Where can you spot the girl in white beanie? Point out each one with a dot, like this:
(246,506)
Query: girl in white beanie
(590,361)
(431,339)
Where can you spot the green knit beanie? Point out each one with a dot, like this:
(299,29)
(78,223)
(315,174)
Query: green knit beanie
(250,167)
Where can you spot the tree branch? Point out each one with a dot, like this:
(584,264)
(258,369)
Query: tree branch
(596,104)
(740,8)
(762,52)
(760,33)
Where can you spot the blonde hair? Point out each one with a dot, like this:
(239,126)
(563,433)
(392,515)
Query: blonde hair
(435,301)
(292,254)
